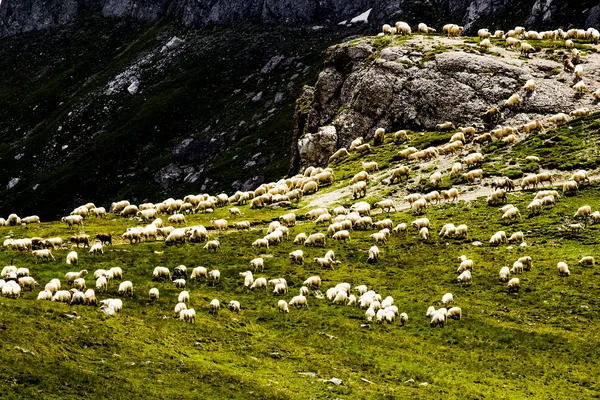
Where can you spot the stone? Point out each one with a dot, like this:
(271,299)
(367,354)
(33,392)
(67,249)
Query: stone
(315,149)
(133,87)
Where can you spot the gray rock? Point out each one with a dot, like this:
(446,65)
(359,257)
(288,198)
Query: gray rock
(174,43)
(168,175)
(336,381)
(12,183)
(477,243)
(315,149)
(257,97)
(133,88)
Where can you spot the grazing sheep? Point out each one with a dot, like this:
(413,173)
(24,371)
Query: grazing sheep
(257,263)
(314,239)
(312,281)
(563,269)
(234,306)
(299,301)
(90,298)
(153,294)
(447,298)
(437,319)
(339,154)
(214,306)
(188,315)
(464,278)
(297,257)
(214,275)
(583,212)
(373,254)
(515,237)
(587,260)
(161,273)
(179,283)
(212,245)
(125,288)
(504,274)
(44,254)
(282,306)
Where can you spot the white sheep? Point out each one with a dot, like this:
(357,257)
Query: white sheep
(504,274)
(513,285)
(455,313)
(153,294)
(161,273)
(313,281)
(214,275)
(464,278)
(125,288)
(179,283)
(188,315)
(234,306)
(373,254)
(299,301)
(563,269)
(212,245)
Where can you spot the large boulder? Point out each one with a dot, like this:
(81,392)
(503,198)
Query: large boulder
(316,148)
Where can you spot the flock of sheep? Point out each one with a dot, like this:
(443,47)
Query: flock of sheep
(338,222)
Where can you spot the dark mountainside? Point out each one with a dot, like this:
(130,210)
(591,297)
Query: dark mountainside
(211,112)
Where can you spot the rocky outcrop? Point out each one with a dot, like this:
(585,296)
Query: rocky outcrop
(421,83)
(315,149)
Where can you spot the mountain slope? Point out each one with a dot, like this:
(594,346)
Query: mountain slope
(204,116)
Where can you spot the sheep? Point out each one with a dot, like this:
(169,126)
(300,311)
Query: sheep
(312,281)
(22,272)
(27,282)
(531,126)
(153,294)
(299,301)
(498,238)
(445,125)
(580,87)
(282,306)
(437,319)
(214,306)
(71,276)
(44,254)
(465,264)
(517,268)
(580,112)
(511,214)
(529,86)
(339,154)
(90,298)
(212,245)
(455,30)
(44,295)
(583,212)
(257,263)
(325,262)
(498,196)
(314,239)
(61,296)
(342,235)
(234,306)
(71,220)
(563,269)
(580,176)
(513,100)
(214,275)
(515,237)
(403,28)
(373,254)
(179,283)
(297,257)
(385,205)
(570,186)
(407,152)
(576,228)
(587,260)
(299,239)
(363,148)
(474,174)
(400,228)
(79,284)
(98,212)
(419,206)
(125,288)
(188,315)
(370,166)
(464,278)
(526,48)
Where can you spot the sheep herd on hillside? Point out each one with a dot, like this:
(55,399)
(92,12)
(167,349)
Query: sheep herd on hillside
(339,222)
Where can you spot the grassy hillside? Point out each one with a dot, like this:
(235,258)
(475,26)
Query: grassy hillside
(539,343)
(70,129)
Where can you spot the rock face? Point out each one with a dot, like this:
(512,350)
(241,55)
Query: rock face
(315,149)
(421,83)
(18,16)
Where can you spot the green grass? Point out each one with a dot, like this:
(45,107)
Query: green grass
(539,343)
